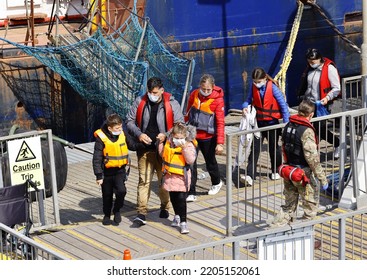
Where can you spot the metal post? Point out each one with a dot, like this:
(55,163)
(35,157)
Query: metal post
(342,229)
(57,39)
(53,177)
(364,44)
(141,39)
(229,184)
(187,84)
(32,23)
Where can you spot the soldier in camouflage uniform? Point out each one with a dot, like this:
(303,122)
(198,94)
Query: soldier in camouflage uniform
(300,149)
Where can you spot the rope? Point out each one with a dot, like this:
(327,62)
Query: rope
(281,76)
(343,37)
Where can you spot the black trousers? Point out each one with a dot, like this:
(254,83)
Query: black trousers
(325,134)
(178,201)
(114,184)
(207,148)
(274,152)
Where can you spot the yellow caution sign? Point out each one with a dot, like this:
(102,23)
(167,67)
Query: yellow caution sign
(25,159)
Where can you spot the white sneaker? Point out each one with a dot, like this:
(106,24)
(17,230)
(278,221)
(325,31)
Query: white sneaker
(215,188)
(176,221)
(337,152)
(274,176)
(247,180)
(191,198)
(184,228)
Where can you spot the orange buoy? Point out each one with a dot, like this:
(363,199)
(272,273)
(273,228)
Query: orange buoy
(127,255)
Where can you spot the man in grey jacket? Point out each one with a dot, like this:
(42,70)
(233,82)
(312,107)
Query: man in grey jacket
(149,118)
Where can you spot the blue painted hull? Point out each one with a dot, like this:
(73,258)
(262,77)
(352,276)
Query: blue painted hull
(228,38)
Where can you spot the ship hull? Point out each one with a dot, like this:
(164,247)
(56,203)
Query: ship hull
(229,38)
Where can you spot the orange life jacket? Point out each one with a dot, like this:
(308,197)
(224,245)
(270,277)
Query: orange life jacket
(267,108)
(167,107)
(200,114)
(115,153)
(173,160)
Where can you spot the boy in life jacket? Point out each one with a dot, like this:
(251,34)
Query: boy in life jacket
(110,158)
(178,153)
(300,151)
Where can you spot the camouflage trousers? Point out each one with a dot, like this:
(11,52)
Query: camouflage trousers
(295,192)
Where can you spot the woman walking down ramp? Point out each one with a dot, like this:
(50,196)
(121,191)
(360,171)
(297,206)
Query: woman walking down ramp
(270,106)
(205,111)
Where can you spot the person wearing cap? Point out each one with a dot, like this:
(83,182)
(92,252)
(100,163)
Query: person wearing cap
(321,82)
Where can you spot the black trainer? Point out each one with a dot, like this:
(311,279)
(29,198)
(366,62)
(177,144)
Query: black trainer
(117,218)
(106,221)
(140,220)
(164,214)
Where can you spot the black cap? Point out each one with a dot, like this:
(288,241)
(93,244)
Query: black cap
(313,54)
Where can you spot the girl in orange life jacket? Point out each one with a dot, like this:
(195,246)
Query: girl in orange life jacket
(205,111)
(320,82)
(270,106)
(110,158)
(178,152)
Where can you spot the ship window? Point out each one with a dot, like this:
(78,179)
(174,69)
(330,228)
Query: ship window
(355,16)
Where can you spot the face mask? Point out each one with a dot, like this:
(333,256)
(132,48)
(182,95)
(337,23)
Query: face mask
(178,142)
(314,66)
(116,133)
(259,85)
(153,98)
(205,93)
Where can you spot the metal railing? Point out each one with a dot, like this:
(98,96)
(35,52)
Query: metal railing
(16,246)
(338,237)
(259,202)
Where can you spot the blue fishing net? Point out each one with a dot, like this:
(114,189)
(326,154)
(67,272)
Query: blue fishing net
(112,70)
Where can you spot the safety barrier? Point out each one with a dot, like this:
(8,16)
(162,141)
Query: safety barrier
(16,246)
(338,237)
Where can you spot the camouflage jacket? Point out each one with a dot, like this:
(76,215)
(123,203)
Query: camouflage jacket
(312,156)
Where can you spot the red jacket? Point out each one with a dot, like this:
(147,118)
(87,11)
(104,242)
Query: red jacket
(267,108)
(217,107)
(325,85)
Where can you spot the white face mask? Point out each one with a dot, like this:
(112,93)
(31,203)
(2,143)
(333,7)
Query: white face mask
(178,141)
(316,65)
(259,85)
(205,93)
(153,98)
(116,133)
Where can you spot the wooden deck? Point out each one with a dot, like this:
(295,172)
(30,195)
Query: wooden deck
(81,234)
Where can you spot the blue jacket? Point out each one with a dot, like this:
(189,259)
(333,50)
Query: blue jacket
(278,95)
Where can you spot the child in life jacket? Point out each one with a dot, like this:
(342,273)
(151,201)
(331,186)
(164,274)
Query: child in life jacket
(110,158)
(178,153)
